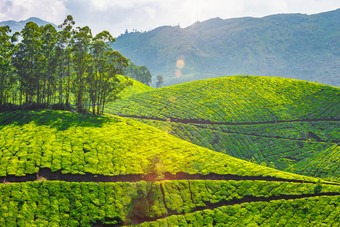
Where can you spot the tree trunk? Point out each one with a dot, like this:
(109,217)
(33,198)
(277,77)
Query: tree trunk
(68,82)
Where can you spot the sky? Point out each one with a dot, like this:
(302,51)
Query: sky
(116,16)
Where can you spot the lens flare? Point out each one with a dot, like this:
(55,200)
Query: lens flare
(180,63)
(178,73)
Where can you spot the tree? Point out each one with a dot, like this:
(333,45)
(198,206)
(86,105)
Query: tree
(99,49)
(27,58)
(139,73)
(104,84)
(65,45)
(50,59)
(112,86)
(160,81)
(6,69)
(82,41)
(47,66)
(144,75)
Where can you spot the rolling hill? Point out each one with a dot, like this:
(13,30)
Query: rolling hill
(288,124)
(287,45)
(136,87)
(62,168)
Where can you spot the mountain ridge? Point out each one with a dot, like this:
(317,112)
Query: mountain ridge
(295,46)
(17,26)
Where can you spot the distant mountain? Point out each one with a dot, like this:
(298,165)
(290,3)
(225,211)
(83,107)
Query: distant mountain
(287,45)
(17,26)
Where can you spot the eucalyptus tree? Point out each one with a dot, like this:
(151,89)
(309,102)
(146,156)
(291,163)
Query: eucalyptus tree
(27,58)
(104,84)
(45,60)
(65,47)
(49,62)
(81,63)
(6,69)
(115,65)
(99,47)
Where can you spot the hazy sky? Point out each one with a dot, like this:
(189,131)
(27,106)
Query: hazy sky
(143,15)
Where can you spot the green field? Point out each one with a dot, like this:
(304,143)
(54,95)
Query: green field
(136,87)
(59,168)
(107,145)
(282,123)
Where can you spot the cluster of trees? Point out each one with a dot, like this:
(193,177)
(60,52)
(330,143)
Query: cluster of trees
(139,73)
(45,66)
(142,74)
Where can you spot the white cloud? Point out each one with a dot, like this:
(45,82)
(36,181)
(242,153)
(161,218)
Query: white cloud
(118,15)
(51,11)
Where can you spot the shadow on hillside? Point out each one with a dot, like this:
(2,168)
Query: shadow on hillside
(61,120)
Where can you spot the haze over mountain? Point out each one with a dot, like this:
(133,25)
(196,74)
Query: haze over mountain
(287,45)
(17,26)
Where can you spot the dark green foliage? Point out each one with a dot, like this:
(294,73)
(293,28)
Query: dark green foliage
(139,73)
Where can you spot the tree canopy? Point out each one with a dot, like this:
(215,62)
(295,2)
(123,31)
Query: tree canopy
(140,73)
(60,68)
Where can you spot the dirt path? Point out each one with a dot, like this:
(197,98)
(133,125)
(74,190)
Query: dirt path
(47,174)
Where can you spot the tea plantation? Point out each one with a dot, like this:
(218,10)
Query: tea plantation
(59,168)
(136,87)
(287,124)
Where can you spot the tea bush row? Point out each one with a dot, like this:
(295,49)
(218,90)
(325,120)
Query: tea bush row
(316,211)
(50,203)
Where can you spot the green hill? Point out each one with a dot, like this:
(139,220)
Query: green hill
(269,120)
(136,88)
(62,168)
(287,45)
(108,145)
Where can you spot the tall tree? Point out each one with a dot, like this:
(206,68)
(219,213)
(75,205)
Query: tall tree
(50,58)
(111,85)
(27,60)
(160,81)
(6,72)
(45,60)
(82,41)
(107,64)
(99,47)
(65,44)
